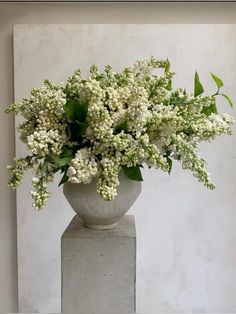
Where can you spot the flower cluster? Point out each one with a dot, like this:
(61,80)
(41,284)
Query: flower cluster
(108,178)
(94,128)
(83,167)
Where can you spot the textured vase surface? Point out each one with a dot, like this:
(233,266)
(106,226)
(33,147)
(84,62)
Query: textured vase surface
(94,211)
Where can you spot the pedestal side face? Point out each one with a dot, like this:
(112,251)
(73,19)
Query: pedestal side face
(99,270)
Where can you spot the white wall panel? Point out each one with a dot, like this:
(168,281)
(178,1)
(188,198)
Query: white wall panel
(186,234)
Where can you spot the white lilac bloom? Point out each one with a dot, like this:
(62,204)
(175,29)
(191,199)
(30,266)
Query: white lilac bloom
(83,167)
(91,128)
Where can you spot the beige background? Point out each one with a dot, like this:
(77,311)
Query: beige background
(70,13)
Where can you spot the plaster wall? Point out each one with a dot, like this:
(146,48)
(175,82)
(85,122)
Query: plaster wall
(185,233)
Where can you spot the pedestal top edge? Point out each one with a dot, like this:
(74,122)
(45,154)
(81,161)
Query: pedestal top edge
(125,228)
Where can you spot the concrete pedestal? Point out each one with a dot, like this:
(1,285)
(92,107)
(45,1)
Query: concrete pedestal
(99,268)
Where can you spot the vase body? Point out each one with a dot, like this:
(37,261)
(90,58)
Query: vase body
(94,211)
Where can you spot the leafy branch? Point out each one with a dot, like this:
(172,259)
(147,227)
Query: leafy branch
(198,90)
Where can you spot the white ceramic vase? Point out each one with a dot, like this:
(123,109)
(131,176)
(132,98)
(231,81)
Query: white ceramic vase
(94,211)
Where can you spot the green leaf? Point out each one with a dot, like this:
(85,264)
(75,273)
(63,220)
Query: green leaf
(67,152)
(188,131)
(209,110)
(62,161)
(63,158)
(82,127)
(169,86)
(198,88)
(56,170)
(167,68)
(169,161)
(64,179)
(217,80)
(133,173)
(76,130)
(123,126)
(73,130)
(228,99)
(75,110)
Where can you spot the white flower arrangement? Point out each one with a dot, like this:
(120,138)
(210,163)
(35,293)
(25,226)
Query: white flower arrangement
(95,127)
